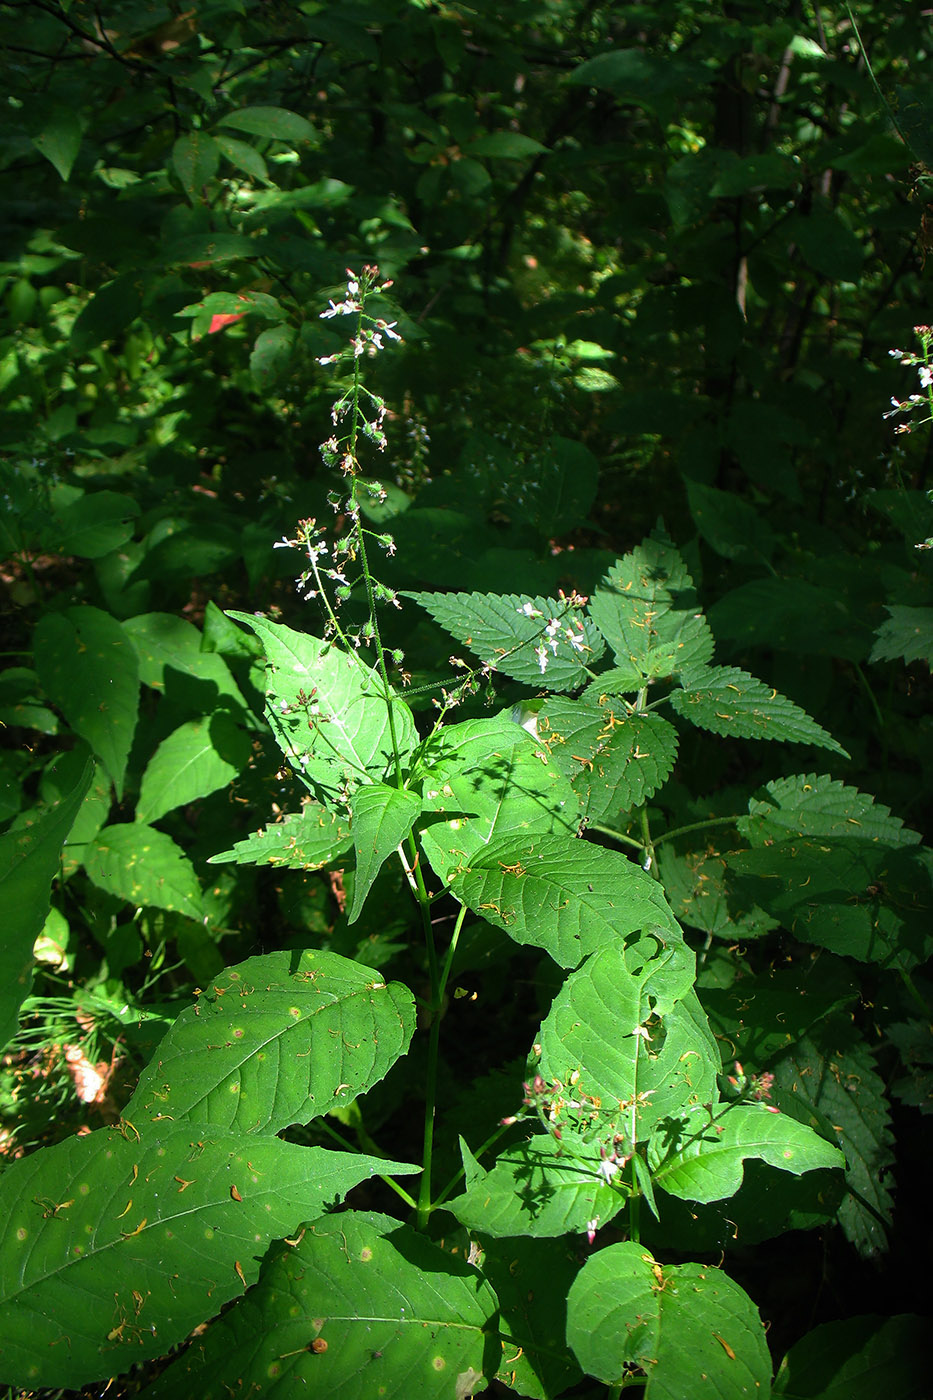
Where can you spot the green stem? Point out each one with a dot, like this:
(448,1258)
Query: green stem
(374,1151)
(430,1090)
(634,1205)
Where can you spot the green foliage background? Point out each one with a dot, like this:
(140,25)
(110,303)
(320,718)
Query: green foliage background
(649,262)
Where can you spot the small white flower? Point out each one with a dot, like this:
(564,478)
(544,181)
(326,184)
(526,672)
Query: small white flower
(926,376)
(327,359)
(528,610)
(541,654)
(607,1169)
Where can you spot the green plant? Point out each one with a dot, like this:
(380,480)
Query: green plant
(631,1114)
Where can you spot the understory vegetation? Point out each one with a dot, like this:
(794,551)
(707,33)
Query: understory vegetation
(465,759)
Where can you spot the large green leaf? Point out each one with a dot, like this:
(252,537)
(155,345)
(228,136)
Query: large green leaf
(906,636)
(59,137)
(728,701)
(93,525)
(688,1327)
(700,1159)
(275,123)
(859,898)
(327,711)
(171,661)
(808,805)
(382,818)
(536,1363)
(279,1039)
(761,1016)
(361,1306)
(30,855)
(561,894)
(113,1247)
(195,158)
(615,761)
(140,864)
(198,758)
(539,641)
(702,895)
(833,1080)
(88,668)
(305,840)
(647,611)
(488,780)
(858,1359)
(540,1189)
(627,1033)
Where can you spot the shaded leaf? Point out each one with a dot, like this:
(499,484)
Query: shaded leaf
(94,525)
(88,668)
(195,158)
(856,1359)
(833,1080)
(906,636)
(59,138)
(29,861)
(811,805)
(276,123)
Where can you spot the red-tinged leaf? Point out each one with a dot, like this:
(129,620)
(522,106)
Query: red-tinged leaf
(218,322)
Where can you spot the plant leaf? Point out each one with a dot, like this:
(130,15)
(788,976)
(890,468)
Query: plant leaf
(848,1360)
(493,780)
(858,898)
(688,1327)
(728,701)
(93,525)
(195,158)
(171,661)
(150,1234)
(533,1320)
(702,1161)
(615,761)
(561,894)
(327,711)
(140,864)
(305,840)
(808,805)
(510,633)
(279,1039)
(88,668)
(198,758)
(647,611)
(834,1080)
(382,818)
(30,855)
(540,1189)
(276,123)
(906,636)
(627,1033)
(361,1305)
(59,138)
